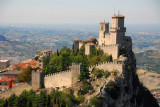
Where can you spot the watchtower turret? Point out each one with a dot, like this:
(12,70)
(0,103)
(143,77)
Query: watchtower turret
(104,30)
(118,23)
(118,30)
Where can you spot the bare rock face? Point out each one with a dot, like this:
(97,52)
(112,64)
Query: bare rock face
(131,93)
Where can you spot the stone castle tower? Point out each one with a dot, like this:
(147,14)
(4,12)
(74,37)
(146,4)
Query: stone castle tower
(111,40)
(37,80)
(117,31)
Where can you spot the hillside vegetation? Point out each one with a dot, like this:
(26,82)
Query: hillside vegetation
(61,60)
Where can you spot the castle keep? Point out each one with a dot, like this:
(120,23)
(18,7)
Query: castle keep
(110,40)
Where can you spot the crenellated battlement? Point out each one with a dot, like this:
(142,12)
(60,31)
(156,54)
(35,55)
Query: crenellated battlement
(107,62)
(35,72)
(100,46)
(63,78)
(61,72)
(108,66)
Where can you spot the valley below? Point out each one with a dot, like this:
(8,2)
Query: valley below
(21,43)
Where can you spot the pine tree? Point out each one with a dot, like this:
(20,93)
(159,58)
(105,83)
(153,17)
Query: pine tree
(84,74)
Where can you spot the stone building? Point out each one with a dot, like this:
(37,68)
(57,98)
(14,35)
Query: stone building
(8,78)
(40,63)
(12,74)
(78,43)
(111,40)
(43,53)
(4,64)
(116,34)
(5,84)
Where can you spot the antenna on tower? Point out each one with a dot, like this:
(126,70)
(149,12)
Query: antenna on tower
(122,11)
(118,12)
(114,11)
(104,19)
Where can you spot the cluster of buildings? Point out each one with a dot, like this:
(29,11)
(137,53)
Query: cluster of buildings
(111,40)
(8,79)
(4,64)
(9,74)
(40,55)
(43,53)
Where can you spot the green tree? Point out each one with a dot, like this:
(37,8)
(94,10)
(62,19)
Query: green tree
(46,60)
(12,100)
(106,57)
(2,102)
(94,60)
(93,52)
(106,74)
(40,100)
(98,72)
(17,68)
(96,101)
(82,50)
(99,52)
(84,74)
(25,76)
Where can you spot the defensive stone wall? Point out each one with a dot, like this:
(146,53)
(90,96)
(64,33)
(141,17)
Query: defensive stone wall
(63,78)
(16,90)
(109,66)
(59,79)
(111,50)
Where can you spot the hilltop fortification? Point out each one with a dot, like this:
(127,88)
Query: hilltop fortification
(111,40)
(125,89)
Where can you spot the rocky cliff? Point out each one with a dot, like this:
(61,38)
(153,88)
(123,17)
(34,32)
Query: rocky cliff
(122,90)
(129,91)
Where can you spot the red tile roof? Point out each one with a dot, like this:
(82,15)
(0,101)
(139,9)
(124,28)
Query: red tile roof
(6,79)
(12,72)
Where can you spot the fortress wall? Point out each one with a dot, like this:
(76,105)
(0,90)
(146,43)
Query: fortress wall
(108,66)
(16,90)
(63,78)
(59,79)
(111,50)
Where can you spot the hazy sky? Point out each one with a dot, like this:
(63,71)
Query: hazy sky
(78,11)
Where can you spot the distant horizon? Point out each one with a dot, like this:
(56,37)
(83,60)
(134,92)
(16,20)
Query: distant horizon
(153,28)
(78,12)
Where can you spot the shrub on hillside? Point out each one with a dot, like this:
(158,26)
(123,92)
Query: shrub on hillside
(25,76)
(106,74)
(97,72)
(96,101)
